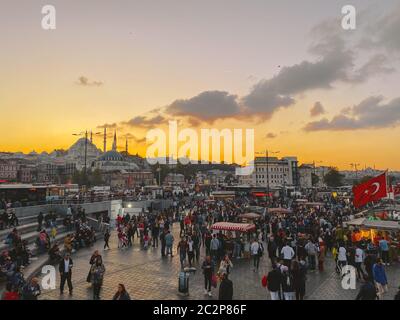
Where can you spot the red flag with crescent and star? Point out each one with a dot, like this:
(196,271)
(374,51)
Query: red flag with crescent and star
(369,191)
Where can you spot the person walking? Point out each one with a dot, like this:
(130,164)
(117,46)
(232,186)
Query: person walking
(65,268)
(163,243)
(288,254)
(121,293)
(274,282)
(299,279)
(40,221)
(272,247)
(311,250)
(190,251)
(106,239)
(287,284)
(96,256)
(97,277)
(256,250)
(207,267)
(196,244)
(225,288)
(169,242)
(182,249)
(358,260)
(214,247)
(380,278)
(384,250)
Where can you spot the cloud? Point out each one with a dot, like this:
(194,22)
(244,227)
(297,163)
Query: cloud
(384,32)
(85,82)
(137,140)
(271,135)
(332,64)
(145,121)
(376,65)
(371,113)
(317,110)
(207,106)
(108,126)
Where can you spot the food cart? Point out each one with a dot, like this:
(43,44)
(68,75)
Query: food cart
(375,230)
(239,228)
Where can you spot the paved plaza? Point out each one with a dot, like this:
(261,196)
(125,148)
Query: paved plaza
(148,276)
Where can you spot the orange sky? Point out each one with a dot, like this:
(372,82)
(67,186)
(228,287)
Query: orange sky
(147,58)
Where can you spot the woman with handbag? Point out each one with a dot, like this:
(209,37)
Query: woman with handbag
(97,276)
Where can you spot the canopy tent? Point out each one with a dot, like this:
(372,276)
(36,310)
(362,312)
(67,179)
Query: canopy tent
(355,222)
(314,204)
(279,210)
(374,224)
(250,215)
(229,226)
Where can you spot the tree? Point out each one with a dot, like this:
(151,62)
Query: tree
(334,178)
(314,179)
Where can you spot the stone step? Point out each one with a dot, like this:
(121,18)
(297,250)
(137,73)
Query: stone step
(30,237)
(25,228)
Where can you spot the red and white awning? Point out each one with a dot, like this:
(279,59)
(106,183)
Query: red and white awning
(230,226)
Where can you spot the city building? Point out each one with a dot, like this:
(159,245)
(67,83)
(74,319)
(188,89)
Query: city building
(273,173)
(306,176)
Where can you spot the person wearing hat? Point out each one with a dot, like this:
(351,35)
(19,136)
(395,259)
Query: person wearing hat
(65,268)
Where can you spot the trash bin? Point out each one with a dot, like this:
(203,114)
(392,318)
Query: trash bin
(183,283)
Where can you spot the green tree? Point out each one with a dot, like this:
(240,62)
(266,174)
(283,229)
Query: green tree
(334,178)
(314,179)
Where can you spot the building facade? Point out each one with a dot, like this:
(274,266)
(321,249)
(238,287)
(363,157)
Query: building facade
(273,173)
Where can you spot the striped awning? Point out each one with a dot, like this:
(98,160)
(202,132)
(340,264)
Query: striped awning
(230,226)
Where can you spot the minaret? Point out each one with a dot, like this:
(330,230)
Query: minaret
(91,136)
(126,146)
(114,146)
(105,139)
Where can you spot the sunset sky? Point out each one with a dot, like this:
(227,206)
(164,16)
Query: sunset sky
(285,68)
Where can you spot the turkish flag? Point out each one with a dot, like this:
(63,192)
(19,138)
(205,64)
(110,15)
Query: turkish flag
(372,190)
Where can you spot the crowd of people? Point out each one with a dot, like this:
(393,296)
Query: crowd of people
(298,239)
(18,255)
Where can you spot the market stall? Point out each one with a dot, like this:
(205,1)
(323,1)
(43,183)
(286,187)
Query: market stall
(375,230)
(279,211)
(228,228)
(250,216)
